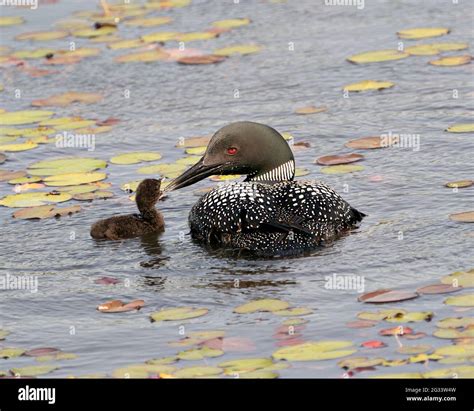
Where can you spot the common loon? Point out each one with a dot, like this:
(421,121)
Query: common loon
(148,221)
(269,213)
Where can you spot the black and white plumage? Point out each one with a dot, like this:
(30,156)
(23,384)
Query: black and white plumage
(268,214)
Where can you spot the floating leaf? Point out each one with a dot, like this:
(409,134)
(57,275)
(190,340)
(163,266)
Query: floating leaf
(438,289)
(9,175)
(206,59)
(459,322)
(148,21)
(456,128)
(297,311)
(91,33)
(11,352)
(454,333)
(178,314)
(241,49)
(466,300)
(57,357)
(142,370)
(465,371)
(310,110)
(458,350)
(33,54)
(422,33)
(358,362)
(199,353)
(194,141)
(410,317)
(136,157)
(117,306)
(43,35)
(65,99)
(245,365)
(10,20)
(72,179)
(368,85)
(186,37)
(196,150)
(380,315)
(402,375)
(231,23)
(377,56)
(161,361)
(96,195)
(196,372)
(24,117)
(33,370)
(259,374)
(143,57)
(387,296)
(434,48)
(33,199)
(165,170)
(400,330)
(342,169)
(373,344)
(361,324)
(18,147)
(365,143)
(460,184)
(65,166)
(231,344)
(315,351)
(414,349)
(3,334)
(451,61)
(107,281)
(158,37)
(339,159)
(460,279)
(263,305)
(424,358)
(294,321)
(464,217)
(45,211)
(126,44)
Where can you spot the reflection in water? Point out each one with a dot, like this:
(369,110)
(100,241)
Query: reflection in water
(152,246)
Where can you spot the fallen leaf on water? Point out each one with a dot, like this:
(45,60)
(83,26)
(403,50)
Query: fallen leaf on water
(368,85)
(451,61)
(187,37)
(373,344)
(465,371)
(107,280)
(387,296)
(295,321)
(459,184)
(259,374)
(263,305)
(178,314)
(457,128)
(464,217)
(56,357)
(65,99)
(117,306)
(365,143)
(377,56)
(422,33)
(142,370)
(310,110)
(33,54)
(339,159)
(315,351)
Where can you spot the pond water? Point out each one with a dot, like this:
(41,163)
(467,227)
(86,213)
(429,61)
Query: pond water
(406,241)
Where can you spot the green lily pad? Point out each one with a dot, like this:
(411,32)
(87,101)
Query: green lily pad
(459,350)
(466,300)
(259,374)
(451,333)
(297,311)
(460,278)
(178,314)
(264,305)
(315,351)
(165,170)
(72,179)
(43,35)
(162,361)
(459,322)
(295,321)
(134,158)
(342,169)
(241,49)
(65,166)
(356,362)
(33,370)
(410,317)
(33,199)
(11,352)
(457,128)
(414,349)
(199,353)
(245,365)
(45,211)
(197,372)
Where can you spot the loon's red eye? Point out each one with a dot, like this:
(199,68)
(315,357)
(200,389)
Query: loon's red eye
(231,151)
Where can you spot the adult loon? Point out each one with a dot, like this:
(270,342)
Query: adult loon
(269,213)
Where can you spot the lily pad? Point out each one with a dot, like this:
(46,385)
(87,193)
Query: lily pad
(466,300)
(11,352)
(296,311)
(464,217)
(33,370)
(414,349)
(245,365)
(377,56)
(451,61)
(259,374)
(65,166)
(459,322)
(438,289)
(205,59)
(368,85)
(456,128)
(96,195)
(33,199)
(241,49)
(422,33)
(43,35)
(18,147)
(178,314)
(91,33)
(3,334)
(45,211)
(357,362)
(339,159)
(387,296)
(11,20)
(24,117)
(460,279)
(365,143)
(136,157)
(6,175)
(197,372)
(65,99)
(148,21)
(461,183)
(143,57)
(310,110)
(342,169)
(117,306)
(231,23)
(72,179)
(165,170)
(315,351)
(263,305)
(160,36)
(199,353)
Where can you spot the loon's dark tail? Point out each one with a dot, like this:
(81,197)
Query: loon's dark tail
(357,216)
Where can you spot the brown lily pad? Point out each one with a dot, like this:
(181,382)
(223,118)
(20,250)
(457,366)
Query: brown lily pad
(6,175)
(45,211)
(65,99)
(438,289)
(310,110)
(38,352)
(361,324)
(118,306)
(208,59)
(107,280)
(387,296)
(373,344)
(464,217)
(339,159)
(365,143)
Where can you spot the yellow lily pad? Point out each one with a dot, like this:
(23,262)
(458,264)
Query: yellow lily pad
(65,166)
(315,351)
(148,21)
(160,36)
(197,372)
(422,33)
(11,352)
(460,322)
(24,117)
(466,300)
(242,49)
(414,349)
(263,305)
(368,85)
(451,333)
(143,57)
(231,23)
(45,211)
(460,279)
(356,362)
(294,321)
(165,170)
(377,56)
(464,371)
(451,61)
(410,317)
(33,54)
(33,199)
(72,179)
(65,99)
(18,147)
(460,184)
(91,33)
(300,172)
(457,128)
(245,365)
(33,370)
(136,157)
(178,314)
(459,350)
(199,353)
(401,375)
(43,35)
(259,374)
(11,20)
(424,358)
(185,37)
(342,169)
(198,151)
(297,311)
(434,48)
(125,44)
(380,315)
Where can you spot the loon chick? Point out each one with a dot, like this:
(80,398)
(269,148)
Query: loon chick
(268,214)
(133,225)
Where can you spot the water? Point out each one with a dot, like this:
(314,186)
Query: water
(168,101)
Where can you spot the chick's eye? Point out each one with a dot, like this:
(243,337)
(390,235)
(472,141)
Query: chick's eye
(231,151)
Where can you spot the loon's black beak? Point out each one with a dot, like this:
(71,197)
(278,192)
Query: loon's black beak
(197,172)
